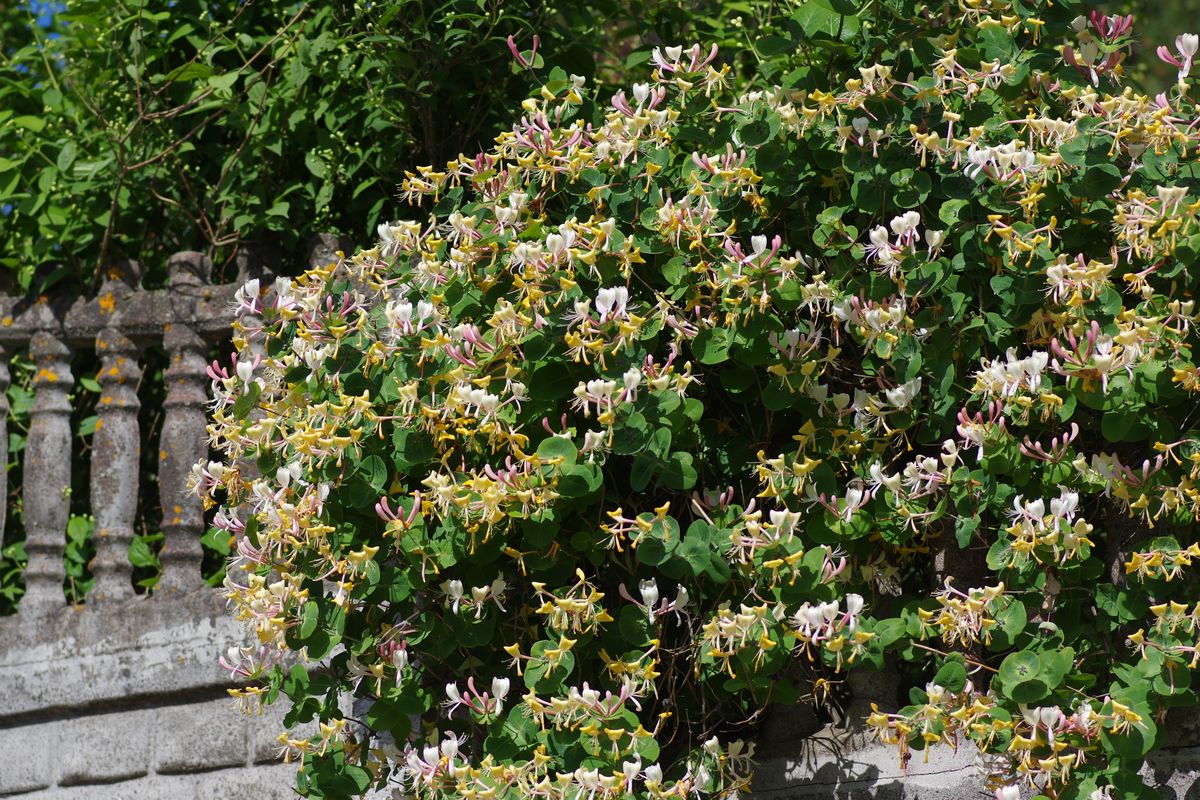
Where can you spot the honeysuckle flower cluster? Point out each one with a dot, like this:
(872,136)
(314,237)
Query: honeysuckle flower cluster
(686,399)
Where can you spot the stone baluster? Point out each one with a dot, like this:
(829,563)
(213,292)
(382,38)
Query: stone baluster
(184,439)
(115,464)
(47,475)
(4,381)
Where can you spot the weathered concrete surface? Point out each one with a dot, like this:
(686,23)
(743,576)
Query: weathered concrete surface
(839,764)
(126,700)
(108,654)
(265,782)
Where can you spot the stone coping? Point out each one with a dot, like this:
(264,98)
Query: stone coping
(119,654)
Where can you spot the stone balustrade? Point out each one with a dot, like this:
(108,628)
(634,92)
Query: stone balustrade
(122,696)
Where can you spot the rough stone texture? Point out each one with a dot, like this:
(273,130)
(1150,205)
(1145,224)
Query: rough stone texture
(194,737)
(47,476)
(102,748)
(97,657)
(27,762)
(126,699)
(272,782)
(183,441)
(123,697)
(838,764)
(115,468)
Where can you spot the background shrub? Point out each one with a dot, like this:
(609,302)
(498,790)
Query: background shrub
(687,400)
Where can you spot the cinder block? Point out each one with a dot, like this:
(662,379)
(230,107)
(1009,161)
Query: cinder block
(106,747)
(199,736)
(26,764)
(849,764)
(267,782)
(265,729)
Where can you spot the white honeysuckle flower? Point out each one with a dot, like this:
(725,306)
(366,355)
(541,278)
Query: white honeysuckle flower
(649,591)
(454,593)
(854,604)
(450,747)
(245,370)
(902,396)
(610,303)
(1187,44)
(905,225)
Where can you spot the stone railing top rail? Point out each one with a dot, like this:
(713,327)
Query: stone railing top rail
(119,654)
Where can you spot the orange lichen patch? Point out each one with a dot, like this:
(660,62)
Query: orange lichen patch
(99,424)
(106,400)
(162,455)
(47,375)
(108,303)
(7,321)
(115,273)
(178,509)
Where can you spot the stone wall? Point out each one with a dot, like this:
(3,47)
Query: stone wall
(123,697)
(126,700)
(804,760)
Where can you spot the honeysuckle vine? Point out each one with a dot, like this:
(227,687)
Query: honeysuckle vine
(684,401)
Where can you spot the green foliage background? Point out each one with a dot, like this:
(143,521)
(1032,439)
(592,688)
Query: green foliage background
(140,129)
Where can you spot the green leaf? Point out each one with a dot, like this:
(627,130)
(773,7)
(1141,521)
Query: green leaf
(223,84)
(308,619)
(953,673)
(711,346)
(1020,666)
(558,450)
(241,406)
(1097,181)
(890,631)
(818,20)
(191,71)
(30,123)
(66,156)
(315,165)
(375,471)
(678,473)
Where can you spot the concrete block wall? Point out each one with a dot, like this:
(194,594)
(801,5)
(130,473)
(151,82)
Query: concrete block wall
(126,700)
(804,760)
